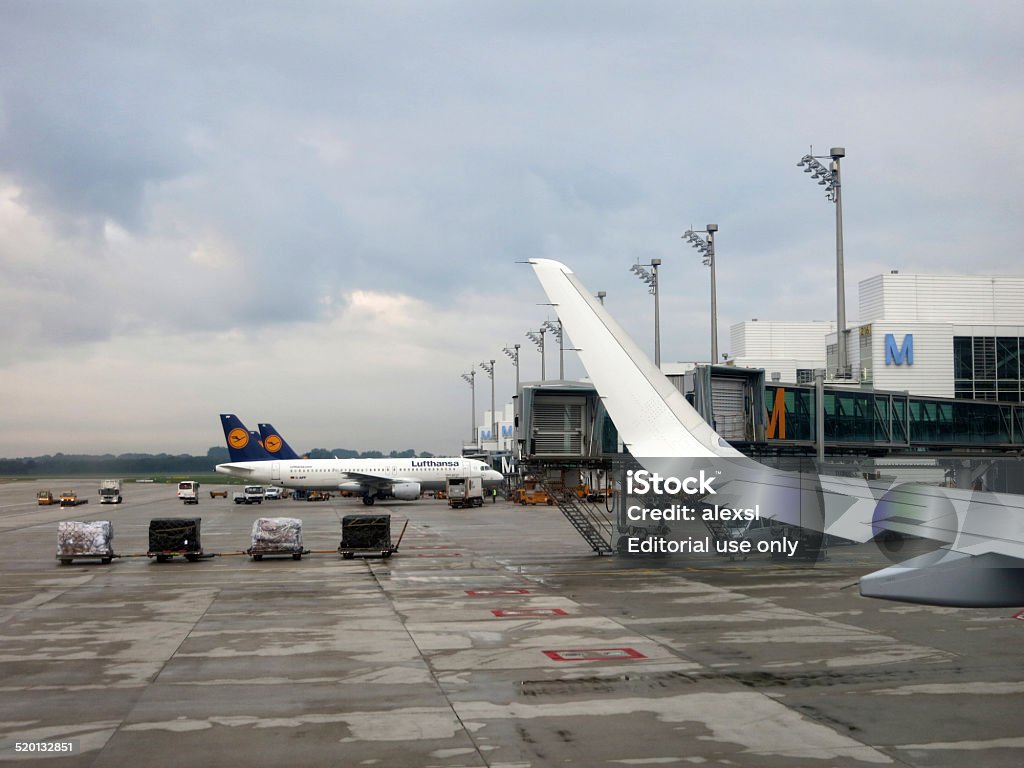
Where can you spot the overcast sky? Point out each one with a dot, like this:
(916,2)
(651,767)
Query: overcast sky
(311,213)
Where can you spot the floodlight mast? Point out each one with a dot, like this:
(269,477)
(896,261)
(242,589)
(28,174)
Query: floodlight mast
(488,366)
(830,179)
(513,354)
(470,378)
(706,248)
(537,337)
(651,279)
(556,328)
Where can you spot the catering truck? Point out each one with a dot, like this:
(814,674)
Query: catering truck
(110,492)
(464,492)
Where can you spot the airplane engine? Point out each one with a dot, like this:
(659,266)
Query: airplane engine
(406,491)
(945,577)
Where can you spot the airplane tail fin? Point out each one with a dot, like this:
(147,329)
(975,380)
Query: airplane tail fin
(274,444)
(243,445)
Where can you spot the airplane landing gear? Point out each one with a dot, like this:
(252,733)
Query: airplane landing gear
(368,500)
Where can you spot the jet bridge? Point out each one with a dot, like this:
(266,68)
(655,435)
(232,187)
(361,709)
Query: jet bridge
(565,440)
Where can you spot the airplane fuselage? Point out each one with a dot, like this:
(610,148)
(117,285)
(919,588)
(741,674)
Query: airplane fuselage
(359,474)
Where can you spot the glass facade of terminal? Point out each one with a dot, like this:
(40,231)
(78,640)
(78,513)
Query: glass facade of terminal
(987,368)
(892,419)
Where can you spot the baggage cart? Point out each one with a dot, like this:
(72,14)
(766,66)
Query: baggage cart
(85,540)
(277,536)
(171,536)
(367,536)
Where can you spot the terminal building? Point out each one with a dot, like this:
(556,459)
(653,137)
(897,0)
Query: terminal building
(950,336)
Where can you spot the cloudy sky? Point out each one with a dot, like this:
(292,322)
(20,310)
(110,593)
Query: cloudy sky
(311,213)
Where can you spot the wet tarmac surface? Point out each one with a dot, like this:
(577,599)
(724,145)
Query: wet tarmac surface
(494,637)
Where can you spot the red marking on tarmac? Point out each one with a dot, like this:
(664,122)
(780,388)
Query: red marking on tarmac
(489,592)
(527,613)
(1019,616)
(595,654)
(432,546)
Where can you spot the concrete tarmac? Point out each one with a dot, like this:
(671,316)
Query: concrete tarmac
(494,637)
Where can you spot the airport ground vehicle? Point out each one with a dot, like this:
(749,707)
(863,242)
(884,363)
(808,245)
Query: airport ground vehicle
(70,499)
(272,493)
(317,496)
(532,493)
(188,491)
(251,494)
(110,492)
(44,498)
(218,494)
(465,492)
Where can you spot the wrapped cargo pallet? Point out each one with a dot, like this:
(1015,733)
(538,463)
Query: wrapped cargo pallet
(365,533)
(90,539)
(169,536)
(276,536)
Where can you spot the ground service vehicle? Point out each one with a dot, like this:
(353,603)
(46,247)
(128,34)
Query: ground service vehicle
(70,499)
(465,492)
(532,493)
(188,491)
(251,494)
(44,498)
(110,492)
(272,493)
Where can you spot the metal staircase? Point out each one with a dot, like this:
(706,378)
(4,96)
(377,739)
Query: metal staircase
(718,530)
(590,520)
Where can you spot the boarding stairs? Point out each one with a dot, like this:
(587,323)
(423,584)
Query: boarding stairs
(719,531)
(590,519)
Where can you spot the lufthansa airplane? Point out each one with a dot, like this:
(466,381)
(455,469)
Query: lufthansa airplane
(373,479)
(979,559)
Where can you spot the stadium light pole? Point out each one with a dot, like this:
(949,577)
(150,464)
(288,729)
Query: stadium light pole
(707,251)
(557,330)
(470,379)
(830,180)
(513,354)
(539,341)
(651,278)
(489,367)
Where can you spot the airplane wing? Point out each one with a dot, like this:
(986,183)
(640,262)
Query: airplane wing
(376,481)
(981,563)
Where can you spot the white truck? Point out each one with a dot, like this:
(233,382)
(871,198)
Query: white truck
(188,491)
(110,492)
(251,494)
(465,492)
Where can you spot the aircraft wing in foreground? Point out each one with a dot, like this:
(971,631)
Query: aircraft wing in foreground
(980,562)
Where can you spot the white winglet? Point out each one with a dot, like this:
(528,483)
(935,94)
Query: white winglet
(648,411)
